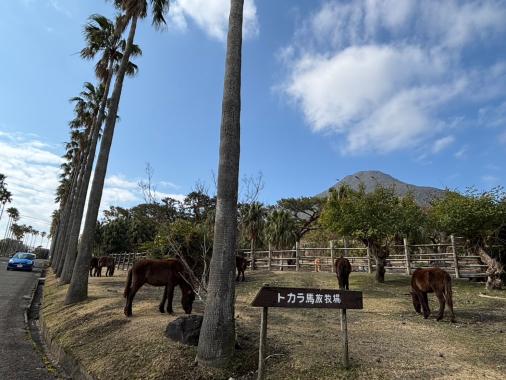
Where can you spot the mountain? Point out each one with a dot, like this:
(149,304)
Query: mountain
(372,178)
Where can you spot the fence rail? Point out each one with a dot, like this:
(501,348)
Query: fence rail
(404,259)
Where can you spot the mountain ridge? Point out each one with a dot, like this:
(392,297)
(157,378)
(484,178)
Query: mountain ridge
(373,178)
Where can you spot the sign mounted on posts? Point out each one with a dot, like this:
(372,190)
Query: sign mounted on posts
(308,298)
(304,298)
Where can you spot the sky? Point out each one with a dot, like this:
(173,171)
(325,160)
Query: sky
(414,89)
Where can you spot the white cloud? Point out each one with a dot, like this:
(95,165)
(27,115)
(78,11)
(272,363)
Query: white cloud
(32,169)
(212,16)
(381,71)
(462,152)
(442,144)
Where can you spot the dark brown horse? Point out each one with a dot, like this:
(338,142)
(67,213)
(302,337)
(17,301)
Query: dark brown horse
(432,280)
(107,262)
(241,264)
(166,273)
(94,266)
(343,270)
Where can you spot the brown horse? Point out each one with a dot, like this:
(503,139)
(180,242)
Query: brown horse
(93,266)
(241,264)
(432,280)
(159,273)
(109,263)
(343,270)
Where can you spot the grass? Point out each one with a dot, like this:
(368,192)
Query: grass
(387,339)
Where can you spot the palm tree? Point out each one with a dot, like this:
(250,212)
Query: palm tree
(217,335)
(252,220)
(280,229)
(102,36)
(13,214)
(5,195)
(132,11)
(42,236)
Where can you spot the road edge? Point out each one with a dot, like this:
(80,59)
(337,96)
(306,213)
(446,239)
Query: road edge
(66,363)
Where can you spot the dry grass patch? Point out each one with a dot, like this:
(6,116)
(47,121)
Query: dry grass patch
(387,339)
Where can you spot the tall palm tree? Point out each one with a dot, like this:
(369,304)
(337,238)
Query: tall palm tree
(133,10)
(217,335)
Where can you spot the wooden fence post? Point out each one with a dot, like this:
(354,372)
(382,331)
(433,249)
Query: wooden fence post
(406,254)
(261,349)
(269,257)
(455,260)
(297,254)
(331,243)
(369,266)
(345,243)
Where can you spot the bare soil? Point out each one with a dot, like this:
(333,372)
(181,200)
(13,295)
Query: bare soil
(387,339)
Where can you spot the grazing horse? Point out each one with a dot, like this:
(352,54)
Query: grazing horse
(432,280)
(317,265)
(166,273)
(241,264)
(109,263)
(343,270)
(93,266)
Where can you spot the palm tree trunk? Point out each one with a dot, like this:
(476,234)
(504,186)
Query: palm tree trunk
(81,200)
(78,289)
(70,255)
(217,335)
(2,212)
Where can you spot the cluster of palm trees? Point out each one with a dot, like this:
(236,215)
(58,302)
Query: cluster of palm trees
(96,113)
(19,236)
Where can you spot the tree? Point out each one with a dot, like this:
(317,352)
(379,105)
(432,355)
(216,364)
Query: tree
(217,335)
(305,211)
(373,218)
(252,222)
(5,195)
(132,11)
(480,218)
(281,229)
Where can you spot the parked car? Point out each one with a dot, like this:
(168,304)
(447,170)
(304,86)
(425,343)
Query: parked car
(21,261)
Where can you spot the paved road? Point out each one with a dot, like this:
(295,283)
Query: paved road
(18,358)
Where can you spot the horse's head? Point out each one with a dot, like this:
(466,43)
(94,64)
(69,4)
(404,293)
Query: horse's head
(187,299)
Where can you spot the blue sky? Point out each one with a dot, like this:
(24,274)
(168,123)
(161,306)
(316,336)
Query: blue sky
(414,89)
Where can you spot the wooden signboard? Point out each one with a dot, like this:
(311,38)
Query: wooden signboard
(308,298)
(305,298)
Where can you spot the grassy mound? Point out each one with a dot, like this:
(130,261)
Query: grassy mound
(387,339)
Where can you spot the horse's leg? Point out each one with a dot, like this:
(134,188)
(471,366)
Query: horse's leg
(242,274)
(170,296)
(238,274)
(416,302)
(131,294)
(425,305)
(441,299)
(164,297)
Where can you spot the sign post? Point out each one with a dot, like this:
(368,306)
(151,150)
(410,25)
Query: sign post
(304,298)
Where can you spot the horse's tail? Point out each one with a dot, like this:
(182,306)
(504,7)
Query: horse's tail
(128,283)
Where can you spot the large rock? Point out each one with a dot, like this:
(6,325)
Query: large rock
(185,329)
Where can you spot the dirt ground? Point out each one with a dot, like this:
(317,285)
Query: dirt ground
(387,339)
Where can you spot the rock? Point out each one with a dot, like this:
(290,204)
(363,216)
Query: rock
(185,329)
(441,355)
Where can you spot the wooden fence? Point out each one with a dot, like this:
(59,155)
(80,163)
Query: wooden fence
(403,259)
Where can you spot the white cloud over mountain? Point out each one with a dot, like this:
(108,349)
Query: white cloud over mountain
(383,72)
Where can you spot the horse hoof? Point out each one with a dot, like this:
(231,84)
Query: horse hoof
(161,310)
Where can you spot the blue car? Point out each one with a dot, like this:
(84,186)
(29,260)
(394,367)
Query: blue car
(21,261)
